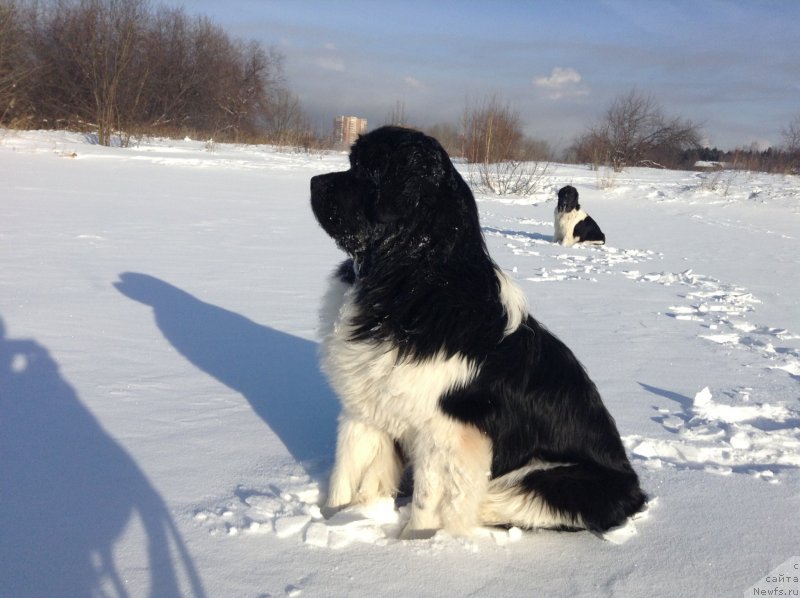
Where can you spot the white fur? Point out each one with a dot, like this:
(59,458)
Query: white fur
(564,226)
(514,300)
(506,504)
(332,303)
(386,400)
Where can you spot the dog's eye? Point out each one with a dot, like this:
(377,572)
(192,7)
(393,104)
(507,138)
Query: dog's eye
(364,172)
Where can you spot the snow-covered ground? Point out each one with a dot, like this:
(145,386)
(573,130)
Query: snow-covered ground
(165,429)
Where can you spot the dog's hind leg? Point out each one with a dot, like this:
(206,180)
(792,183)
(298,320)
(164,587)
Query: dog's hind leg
(508,502)
(573,496)
(367,466)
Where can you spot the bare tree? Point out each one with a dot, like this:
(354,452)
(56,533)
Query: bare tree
(791,136)
(397,116)
(14,71)
(213,66)
(285,122)
(449,136)
(173,71)
(635,131)
(492,131)
(106,57)
(791,144)
(229,83)
(91,69)
(253,74)
(502,160)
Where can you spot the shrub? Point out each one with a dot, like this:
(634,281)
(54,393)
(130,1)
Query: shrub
(502,159)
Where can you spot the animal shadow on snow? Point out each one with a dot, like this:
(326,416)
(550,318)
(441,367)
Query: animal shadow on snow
(686,403)
(517,233)
(276,372)
(68,492)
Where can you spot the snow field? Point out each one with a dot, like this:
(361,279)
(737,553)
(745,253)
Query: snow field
(170,432)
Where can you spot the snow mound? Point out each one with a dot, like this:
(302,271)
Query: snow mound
(740,436)
(294,512)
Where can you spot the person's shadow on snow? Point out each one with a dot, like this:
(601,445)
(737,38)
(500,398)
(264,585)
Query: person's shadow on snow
(68,492)
(276,372)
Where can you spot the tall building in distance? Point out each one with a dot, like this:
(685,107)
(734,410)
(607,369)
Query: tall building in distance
(346,129)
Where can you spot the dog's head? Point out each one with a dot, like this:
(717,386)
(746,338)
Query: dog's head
(568,199)
(400,194)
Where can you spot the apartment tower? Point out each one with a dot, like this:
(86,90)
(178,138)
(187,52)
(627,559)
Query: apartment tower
(346,129)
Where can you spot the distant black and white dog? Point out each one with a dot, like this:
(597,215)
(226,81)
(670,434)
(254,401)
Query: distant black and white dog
(439,365)
(573,225)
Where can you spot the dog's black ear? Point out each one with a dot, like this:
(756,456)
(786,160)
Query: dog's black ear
(412,179)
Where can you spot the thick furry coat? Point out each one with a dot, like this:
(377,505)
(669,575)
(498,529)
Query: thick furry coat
(440,367)
(572,225)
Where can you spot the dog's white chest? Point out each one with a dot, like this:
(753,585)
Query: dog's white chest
(398,397)
(565,226)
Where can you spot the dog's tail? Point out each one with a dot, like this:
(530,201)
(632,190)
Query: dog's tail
(563,496)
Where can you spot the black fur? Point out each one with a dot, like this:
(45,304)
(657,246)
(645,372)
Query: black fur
(425,282)
(534,400)
(585,230)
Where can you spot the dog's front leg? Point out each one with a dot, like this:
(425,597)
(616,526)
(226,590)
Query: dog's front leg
(451,478)
(367,466)
(429,478)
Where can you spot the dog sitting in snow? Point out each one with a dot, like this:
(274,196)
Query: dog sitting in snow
(440,367)
(573,225)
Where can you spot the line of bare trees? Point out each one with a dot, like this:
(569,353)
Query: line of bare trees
(634,131)
(119,68)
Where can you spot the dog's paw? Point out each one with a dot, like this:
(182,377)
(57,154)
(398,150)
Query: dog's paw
(329,511)
(410,533)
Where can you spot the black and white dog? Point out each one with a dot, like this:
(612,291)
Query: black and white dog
(573,225)
(439,366)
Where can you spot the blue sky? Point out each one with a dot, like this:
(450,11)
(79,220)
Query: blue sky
(732,66)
